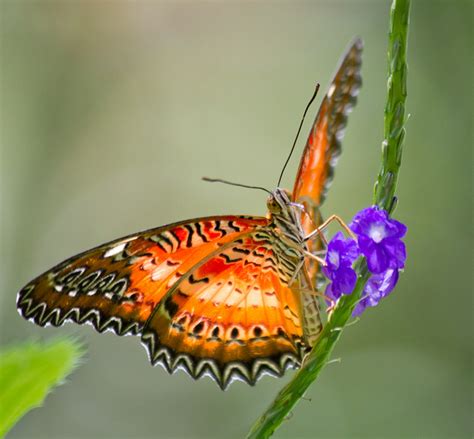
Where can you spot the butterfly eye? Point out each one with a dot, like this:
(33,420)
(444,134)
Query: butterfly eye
(273,205)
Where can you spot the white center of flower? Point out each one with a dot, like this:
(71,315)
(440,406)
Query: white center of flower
(377,232)
(334,258)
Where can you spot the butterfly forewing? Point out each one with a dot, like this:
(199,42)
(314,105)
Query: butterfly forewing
(323,146)
(324,142)
(117,285)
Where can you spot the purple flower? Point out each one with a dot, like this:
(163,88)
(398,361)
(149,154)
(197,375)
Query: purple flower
(377,287)
(379,239)
(341,253)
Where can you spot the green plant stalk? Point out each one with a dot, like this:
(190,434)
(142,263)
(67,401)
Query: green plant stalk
(384,191)
(394,116)
(314,363)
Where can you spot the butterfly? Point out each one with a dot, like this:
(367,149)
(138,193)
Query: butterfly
(225,296)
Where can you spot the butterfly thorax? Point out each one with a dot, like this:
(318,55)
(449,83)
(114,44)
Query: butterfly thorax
(285,220)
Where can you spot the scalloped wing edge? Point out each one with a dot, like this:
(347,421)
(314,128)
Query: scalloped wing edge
(37,314)
(335,151)
(358,45)
(230,372)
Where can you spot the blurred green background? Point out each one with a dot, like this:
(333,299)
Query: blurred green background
(112,111)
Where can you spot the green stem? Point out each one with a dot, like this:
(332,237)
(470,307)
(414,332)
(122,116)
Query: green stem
(316,360)
(394,120)
(394,132)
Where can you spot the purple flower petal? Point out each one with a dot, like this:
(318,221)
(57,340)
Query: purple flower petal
(377,287)
(396,251)
(341,253)
(377,259)
(379,239)
(396,229)
(330,293)
(361,306)
(345,280)
(366,218)
(341,250)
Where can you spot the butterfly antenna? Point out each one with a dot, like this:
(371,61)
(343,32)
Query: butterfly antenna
(298,133)
(218,180)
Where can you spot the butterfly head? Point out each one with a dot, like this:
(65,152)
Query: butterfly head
(278,201)
(285,214)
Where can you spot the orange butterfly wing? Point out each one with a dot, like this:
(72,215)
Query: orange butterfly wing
(324,142)
(233,316)
(118,285)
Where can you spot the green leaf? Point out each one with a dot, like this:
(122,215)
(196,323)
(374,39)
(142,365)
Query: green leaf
(29,371)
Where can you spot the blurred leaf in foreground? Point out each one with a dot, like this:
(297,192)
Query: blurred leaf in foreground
(29,371)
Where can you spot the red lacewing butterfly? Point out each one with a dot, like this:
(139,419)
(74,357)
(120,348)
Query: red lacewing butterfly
(224,296)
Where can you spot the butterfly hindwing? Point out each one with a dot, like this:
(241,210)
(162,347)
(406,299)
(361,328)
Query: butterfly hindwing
(117,285)
(233,316)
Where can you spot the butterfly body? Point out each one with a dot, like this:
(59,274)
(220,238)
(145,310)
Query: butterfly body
(224,296)
(285,217)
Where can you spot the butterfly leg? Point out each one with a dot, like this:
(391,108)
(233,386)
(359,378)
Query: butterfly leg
(326,223)
(316,258)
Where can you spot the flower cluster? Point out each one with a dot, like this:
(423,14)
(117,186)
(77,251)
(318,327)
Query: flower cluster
(379,241)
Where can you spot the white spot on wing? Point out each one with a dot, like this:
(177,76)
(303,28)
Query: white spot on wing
(254,298)
(208,293)
(331,90)
(233,298)
(162,271)
(224,291)
(271,301)
(115,250)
